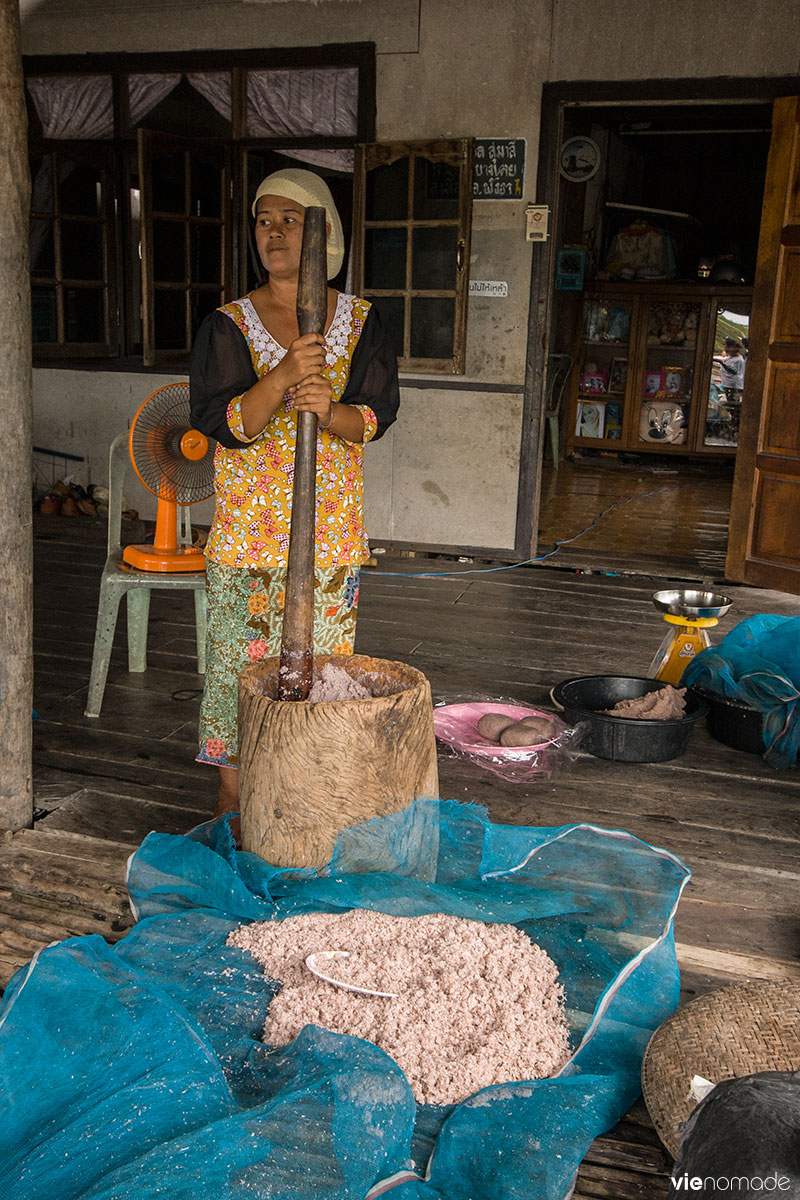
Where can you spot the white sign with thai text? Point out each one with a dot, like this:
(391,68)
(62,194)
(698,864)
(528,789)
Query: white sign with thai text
(488,287)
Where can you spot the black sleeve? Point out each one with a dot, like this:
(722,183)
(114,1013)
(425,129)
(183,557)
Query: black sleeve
(373,374)
(220,370)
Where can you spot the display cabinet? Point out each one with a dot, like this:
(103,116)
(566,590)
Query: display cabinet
(651,368)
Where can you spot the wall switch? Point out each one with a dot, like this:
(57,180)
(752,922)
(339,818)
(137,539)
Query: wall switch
(536,221)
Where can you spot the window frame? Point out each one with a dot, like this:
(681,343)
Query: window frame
(122,353)
(101,157)
(153,145)
(456,152)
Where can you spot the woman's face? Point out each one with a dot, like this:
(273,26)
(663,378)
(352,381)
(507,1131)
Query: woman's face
(279,234)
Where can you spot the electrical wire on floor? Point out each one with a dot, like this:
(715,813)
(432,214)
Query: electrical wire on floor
(675,487)
(193,694)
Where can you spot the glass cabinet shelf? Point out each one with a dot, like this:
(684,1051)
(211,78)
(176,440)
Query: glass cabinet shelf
(649,364)
(603,369)
(668,378)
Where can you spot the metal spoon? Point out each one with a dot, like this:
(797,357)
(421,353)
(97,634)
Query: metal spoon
(322,957)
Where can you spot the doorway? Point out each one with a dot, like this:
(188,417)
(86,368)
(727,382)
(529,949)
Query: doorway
(691,172)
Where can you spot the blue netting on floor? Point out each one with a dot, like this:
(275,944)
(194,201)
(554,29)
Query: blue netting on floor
(758,662)
(137,1071)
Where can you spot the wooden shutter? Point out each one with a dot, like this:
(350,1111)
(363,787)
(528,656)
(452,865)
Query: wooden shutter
(412,221)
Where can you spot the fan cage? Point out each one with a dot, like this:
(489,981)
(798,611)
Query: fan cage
(155,444)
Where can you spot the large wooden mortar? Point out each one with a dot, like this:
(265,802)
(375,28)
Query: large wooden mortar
(309,770)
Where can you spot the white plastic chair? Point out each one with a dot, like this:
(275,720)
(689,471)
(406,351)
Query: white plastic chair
(117,580)
(558,369)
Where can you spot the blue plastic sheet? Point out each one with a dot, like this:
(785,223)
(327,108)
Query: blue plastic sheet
(138,1070)
(758,662)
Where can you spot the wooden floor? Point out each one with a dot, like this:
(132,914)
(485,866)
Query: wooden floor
(102,785)
(666,516)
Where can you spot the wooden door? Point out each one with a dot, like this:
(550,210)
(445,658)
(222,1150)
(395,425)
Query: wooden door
(764,541)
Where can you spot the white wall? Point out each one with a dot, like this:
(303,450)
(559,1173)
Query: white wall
(81,412)
(100,26)
(453,490)
(651,39)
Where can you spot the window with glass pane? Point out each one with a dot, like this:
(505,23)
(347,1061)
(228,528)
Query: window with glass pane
(185,257)
(413,207)
(728,369)
(173,219)
(70,255)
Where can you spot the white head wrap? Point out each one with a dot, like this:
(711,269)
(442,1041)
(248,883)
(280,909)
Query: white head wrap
(308,189)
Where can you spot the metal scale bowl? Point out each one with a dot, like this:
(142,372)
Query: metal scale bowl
(690,614)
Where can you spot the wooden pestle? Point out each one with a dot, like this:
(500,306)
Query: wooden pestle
(297,643)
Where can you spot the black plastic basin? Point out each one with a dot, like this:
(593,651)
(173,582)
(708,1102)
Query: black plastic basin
(621,738)
(733,722)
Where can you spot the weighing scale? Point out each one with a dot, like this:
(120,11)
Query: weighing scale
(690,614)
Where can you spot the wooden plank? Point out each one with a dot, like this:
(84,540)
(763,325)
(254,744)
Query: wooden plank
(659,814)
(56,885)
(736,967)
(124,747)
(622,1153)
(157,716)
(605,1181)
(580,490)
(90,814)
(112,791)
(543,641)
(46,873)
(768,936)
(499,588)
(173,789)
(20,939)
(760,853)
(197,782)
(68,845)
(170,659)
(41,925)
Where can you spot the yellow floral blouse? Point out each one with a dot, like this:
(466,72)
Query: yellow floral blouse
(253,482)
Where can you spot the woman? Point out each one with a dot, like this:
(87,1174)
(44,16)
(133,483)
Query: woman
(251,373)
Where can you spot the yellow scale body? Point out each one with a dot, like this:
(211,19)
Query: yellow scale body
(683,641)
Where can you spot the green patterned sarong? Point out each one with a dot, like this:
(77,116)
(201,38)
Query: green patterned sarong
(245,622)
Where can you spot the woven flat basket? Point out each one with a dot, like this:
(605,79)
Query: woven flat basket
(731,1032)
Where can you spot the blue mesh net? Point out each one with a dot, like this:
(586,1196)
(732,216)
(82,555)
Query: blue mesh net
(758,662)
(138,1070)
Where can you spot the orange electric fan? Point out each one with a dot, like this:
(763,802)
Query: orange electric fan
(176,463)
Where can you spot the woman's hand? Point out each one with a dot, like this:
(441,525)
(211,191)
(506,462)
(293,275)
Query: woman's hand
(313,394)
(298,373)
(305,357)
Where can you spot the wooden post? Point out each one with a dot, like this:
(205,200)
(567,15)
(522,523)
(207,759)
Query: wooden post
(16,557)
(297,643)
(308,771)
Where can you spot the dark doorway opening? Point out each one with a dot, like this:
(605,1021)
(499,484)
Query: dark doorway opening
(693,172)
